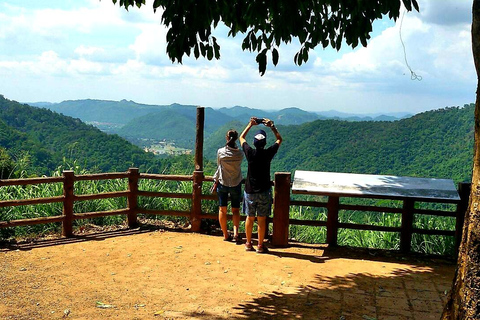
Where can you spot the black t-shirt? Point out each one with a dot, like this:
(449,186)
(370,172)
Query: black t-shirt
(258,174)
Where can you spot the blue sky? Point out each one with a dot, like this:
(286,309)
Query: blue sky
(78,49)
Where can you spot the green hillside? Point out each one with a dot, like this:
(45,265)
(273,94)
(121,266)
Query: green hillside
(91,110)
(436,144)
(48,138)
(175,124)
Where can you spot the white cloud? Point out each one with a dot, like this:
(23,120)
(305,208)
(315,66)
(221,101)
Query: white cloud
(448,12)
(99,47)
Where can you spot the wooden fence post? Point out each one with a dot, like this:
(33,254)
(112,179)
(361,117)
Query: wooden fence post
(281,209)
(464,192)
(132,199)
(195,219)
(407,225)
(198,177)
(199,139)
(68,195)
(332,220)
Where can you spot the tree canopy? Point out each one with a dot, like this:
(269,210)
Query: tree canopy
(267,24)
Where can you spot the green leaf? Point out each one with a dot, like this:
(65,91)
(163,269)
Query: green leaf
(262,62)
(415,5)
(363,39)
(216,48)
(254,41)
(338,43)
(246,43)
(196,51)
(302,36)
(157,3)
(275,56)
(305,54)
(209,53)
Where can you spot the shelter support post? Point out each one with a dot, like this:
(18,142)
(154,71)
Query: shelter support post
(407,225)
(464,193)
(281,209)
(332,220)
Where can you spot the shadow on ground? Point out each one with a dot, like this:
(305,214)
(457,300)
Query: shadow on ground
(406,294)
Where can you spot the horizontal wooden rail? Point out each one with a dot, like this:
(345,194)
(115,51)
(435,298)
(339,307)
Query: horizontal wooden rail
(104,195)
(352,207)
(315,204)
(176,213)
(209,197)
(367,196)
(368,227)
(29,181)
(102,176)
(314,223)
(25,202)
(438,213)
(434,232)
(153,176)
(91,215)
(164,194)
(31,221)
(215,216)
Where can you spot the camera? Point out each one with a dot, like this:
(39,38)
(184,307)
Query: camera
(259,120)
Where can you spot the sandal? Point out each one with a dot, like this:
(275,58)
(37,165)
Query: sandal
(237,239)
(262,249)
(249,247)
(229,238)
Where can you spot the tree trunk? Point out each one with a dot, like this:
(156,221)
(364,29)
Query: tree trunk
(464,298)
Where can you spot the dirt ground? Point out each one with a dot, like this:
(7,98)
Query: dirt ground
(168,274)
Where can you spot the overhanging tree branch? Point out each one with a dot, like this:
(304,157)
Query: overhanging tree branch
(267,24)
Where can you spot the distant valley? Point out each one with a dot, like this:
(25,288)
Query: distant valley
(153,126)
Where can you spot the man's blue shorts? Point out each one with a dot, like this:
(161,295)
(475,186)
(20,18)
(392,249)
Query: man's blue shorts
(234,192)
(257,203)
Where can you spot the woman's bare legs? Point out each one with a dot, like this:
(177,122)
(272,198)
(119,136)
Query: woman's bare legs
(222,219)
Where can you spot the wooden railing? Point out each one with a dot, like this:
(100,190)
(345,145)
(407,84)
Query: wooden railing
(283,203)
(69,198)
(281,215)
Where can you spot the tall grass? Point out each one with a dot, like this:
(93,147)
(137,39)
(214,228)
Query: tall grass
(439,245)
(82,188)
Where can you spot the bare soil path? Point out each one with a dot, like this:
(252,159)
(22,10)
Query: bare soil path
(145,274)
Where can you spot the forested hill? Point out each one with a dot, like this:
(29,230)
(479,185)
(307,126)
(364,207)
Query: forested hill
(435,144)
(44,139)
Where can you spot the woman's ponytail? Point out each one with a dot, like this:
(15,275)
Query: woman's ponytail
(232,137)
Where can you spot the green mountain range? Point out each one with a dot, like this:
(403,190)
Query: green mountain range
(46,140)
(175,123)
(435,144)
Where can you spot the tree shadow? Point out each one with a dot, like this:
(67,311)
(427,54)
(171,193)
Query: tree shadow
(99,234)
(402,294)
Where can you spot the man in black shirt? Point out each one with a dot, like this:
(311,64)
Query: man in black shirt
(258,191)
